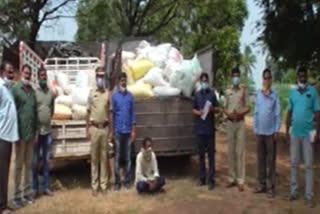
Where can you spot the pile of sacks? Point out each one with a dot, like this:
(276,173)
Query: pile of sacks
(71,99)
(160,71)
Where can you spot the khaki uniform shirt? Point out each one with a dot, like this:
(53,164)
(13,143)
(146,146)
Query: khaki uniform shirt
(98,106)
(236,100)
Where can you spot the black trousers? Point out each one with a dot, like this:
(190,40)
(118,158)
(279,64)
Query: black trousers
(266,151)
(206,144)
(5,155)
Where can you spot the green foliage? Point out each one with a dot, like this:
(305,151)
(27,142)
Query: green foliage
(22,19)
(290,30)
(189,24)
(248,61)
(283,92)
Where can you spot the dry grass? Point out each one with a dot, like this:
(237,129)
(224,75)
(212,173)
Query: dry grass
(73,196)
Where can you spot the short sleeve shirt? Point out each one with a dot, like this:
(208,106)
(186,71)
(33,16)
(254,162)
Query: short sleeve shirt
(303,107)
(236,100)
(45,103)
(98,102)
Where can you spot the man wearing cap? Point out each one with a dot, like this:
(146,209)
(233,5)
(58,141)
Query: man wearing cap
(98,129)
(236,107)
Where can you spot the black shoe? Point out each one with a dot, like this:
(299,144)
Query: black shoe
(27,200)
(117,187)
(211,186)
(271,194)
(35,195)
(201,183)
(259,190)
(231,184)
(17,204)
(292,198)
(127,186)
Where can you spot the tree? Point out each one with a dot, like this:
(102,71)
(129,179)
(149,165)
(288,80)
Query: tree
(22,19)
(290,30)
(248,61)
(188,24)
(101,20)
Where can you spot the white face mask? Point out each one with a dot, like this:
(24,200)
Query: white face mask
(122,89)
(25,82)
(301,85)
(8,81)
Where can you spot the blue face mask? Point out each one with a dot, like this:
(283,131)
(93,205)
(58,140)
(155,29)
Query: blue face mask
(235,81)
(204,86)
(100,83)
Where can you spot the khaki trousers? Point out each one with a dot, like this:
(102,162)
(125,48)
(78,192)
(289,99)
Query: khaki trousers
(236,151)
(23,167)
(99,158)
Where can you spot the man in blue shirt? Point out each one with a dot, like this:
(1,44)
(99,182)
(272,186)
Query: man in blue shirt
(267,120)
(8,135)
(124,122)
(205,130)
(303,110)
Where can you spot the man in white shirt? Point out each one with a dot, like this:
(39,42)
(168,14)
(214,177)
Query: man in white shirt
(148,179)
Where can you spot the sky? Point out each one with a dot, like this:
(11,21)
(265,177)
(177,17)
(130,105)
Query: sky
(66,28)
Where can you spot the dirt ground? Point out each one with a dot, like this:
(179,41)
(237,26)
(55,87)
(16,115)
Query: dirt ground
(71,185)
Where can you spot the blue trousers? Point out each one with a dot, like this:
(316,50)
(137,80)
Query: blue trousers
(143,187)
(122,157)
(44,143)
(206,145)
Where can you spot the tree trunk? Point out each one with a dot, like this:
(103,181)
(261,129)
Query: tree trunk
(35,27)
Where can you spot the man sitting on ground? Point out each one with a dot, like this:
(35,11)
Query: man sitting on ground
(148,179)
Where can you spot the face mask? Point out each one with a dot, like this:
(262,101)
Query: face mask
(204,86)
(301,85)
(100,83)
(235,81)
(8,82)
(122,89)
(147,154)
(25,82)
(43,84)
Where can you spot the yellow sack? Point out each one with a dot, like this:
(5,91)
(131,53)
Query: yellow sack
(140,68)
(141,90)
(62,112)
(127,70)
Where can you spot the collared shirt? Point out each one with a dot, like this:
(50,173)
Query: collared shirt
(97,106)
(123,113)
(235,99)
(267,113)
(205,127)
(26,105)
(146,170)
(45,105)
(8,115)
(303,107)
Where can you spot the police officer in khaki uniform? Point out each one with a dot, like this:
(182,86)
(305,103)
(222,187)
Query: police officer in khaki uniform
(236,107)
(98,129)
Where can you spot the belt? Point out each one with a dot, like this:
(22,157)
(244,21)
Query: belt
(99,125)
